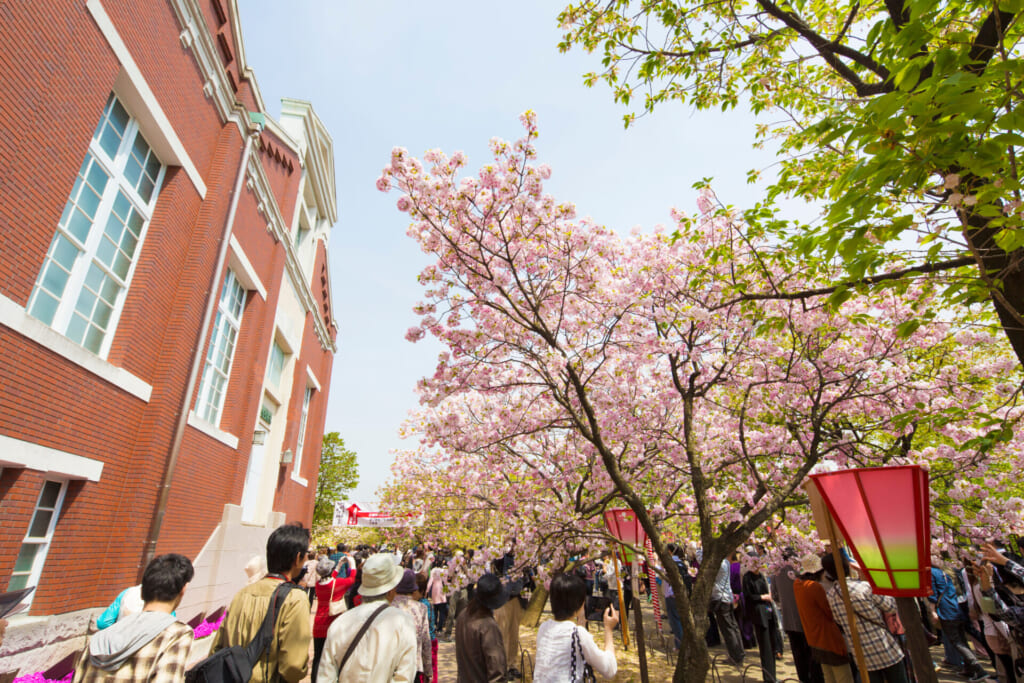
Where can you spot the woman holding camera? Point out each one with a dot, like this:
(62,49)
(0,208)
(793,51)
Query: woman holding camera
(564,648)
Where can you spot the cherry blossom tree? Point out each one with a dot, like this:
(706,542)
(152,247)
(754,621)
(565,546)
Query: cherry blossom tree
(585,369)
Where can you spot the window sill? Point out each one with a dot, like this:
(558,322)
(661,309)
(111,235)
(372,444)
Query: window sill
(14,316)
(18,453)
(272,393)
(196,422)
(299,480)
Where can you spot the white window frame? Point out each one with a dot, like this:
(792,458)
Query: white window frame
(89,248)
(210,406)
(300,443)
(44,542)
(275,371)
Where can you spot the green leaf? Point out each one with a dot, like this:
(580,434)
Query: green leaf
(905,329)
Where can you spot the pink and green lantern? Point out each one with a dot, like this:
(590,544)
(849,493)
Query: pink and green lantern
(883,514)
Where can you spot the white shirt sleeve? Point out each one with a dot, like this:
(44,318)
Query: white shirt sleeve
(603,662)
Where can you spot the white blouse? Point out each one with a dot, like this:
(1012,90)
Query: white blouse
(555,654)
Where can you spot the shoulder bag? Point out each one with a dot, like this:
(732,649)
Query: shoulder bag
(338,606)
(575,646)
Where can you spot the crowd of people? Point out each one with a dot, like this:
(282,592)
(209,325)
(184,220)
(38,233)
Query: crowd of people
(977,600)
(371,614)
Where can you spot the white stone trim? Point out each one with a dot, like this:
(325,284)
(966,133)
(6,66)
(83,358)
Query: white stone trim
(244,70)
(18,453)
(272,393)
(259,184)
(14,316)
(143,103)
(215,80)
(285,137)
(312,378)
(318,153)
(198,423)
(246,274)
(301,481)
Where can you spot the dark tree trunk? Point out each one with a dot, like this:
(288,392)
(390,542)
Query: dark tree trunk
(531,617)
(996,264)
(917,644)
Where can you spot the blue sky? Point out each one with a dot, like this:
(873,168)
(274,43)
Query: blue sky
(452,75)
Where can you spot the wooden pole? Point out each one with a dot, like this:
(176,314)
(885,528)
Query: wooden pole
(851,621)
(641,644)
(623,626)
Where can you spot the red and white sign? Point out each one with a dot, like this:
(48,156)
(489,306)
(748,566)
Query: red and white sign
(353,515)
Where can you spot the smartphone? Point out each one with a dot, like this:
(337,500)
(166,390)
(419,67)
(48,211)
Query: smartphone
(595,607)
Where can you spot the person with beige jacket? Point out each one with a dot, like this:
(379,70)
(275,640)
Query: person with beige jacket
(287,656)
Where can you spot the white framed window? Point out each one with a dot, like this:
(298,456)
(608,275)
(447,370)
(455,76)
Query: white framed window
(88,267)
(275,367)
(221,350)
(32,555)
(297,466)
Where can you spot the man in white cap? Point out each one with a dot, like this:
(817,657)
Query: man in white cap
(373,642)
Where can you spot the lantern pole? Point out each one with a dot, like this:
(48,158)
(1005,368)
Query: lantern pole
(623,627)
(851,621)
(641,644)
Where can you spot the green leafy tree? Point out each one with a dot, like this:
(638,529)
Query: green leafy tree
(339,474)
(902,117)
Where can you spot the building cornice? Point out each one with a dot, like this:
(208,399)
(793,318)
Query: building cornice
(317,155)
(196,36)
(259,185)
(244,70)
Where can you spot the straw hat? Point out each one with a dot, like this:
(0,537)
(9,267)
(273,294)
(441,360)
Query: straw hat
(810,564)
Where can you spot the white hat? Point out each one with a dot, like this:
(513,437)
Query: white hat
(380,574)
(810,564)
(256,568)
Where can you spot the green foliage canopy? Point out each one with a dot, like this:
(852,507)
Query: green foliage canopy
(339,474)
(902,117)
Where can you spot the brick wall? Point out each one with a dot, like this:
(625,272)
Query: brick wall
(53,85)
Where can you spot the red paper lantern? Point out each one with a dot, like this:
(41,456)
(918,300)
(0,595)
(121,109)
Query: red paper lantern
(625,527)
(883,514)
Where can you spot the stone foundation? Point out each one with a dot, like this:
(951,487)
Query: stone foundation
(37,643)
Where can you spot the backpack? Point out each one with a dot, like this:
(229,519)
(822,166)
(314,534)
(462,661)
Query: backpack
(235,664)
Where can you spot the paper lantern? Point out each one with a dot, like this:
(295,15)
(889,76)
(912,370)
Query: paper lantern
(883,514)
(625,527)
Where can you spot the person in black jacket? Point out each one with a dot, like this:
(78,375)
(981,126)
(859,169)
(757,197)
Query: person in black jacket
(761,614)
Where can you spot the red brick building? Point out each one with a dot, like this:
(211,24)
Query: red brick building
(165,310)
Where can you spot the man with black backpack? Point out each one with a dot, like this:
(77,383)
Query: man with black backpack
(286,656)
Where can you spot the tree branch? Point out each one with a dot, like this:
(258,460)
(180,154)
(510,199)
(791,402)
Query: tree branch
(898,12)
(987,40)
(875,279)
(830,51)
